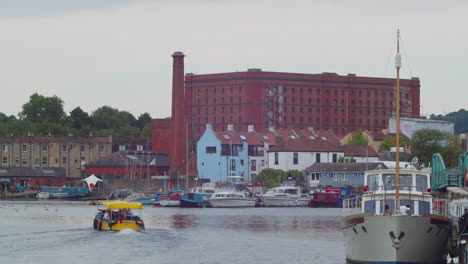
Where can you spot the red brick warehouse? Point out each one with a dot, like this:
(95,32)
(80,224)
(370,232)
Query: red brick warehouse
(294,100)
(342,103)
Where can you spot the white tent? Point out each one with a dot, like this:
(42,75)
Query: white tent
(91,181)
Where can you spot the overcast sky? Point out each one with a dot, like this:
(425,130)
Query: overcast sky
(92,53)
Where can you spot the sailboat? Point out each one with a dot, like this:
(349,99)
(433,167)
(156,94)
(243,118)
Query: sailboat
(399,222)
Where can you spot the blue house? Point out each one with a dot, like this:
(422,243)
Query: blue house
(221,154)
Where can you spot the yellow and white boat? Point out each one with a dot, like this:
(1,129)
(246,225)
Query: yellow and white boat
(118,215)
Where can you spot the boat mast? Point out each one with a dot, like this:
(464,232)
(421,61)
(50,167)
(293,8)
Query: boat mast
(397,119)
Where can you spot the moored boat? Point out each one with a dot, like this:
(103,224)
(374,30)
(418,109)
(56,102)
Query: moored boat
(399,222)
(199,196)
(233,195)
(52,192)
(173,199)
(290,193)
(410,233)
(117,216)
(329,197)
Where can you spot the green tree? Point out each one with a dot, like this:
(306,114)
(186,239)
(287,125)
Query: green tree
(143,120)
(358,139)
(4,118)
(270,177)
(390,142)
(425,142)
(106,117)
(40,108)
(55,129)
(127,131)
(459,118)
(20,128)
(79,118)
(86,131)
(147,131)
(294,174)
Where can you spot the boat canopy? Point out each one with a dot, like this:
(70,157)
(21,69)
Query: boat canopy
(117,205)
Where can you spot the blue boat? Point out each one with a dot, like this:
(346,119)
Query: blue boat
(64,192)
(199,196)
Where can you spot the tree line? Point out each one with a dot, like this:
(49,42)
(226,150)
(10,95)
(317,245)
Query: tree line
(423,144)
(459,118)
(42,115)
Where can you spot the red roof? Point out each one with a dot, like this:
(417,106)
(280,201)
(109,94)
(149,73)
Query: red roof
(228,138)
(252,138)
(269,138)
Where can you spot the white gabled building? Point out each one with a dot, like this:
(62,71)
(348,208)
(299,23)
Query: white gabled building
(299,153)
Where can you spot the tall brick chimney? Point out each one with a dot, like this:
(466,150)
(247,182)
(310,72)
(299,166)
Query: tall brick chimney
(177,154)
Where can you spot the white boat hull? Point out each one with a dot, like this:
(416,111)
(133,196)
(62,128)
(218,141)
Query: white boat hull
(396,239)
(169,203)
(272,201)
(233,202)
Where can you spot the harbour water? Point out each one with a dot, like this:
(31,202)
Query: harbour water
(61,232)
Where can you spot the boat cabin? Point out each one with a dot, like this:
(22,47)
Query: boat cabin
(379,192)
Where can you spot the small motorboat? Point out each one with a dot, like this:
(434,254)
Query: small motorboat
(118,215)
(199,196)
(173,200)
(233,195)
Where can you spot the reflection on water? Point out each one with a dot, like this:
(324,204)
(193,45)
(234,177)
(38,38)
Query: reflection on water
(61,232)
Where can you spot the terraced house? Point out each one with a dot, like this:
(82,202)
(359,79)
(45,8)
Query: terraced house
(70,153)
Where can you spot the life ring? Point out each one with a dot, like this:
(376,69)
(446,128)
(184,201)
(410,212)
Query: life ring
(95,223)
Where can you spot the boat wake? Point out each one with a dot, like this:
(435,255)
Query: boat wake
(127,231)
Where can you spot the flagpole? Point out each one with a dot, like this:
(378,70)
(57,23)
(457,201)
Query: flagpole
(148,173)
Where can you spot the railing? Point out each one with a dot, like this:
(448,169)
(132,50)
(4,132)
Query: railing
(381,193)
(351,205)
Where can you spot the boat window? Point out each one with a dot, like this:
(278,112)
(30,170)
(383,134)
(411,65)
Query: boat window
(389,204)
(389,181)
(424,208)
(292,191)
(373,181)
(278,190)
(406,181)
(369,207)
(421,182)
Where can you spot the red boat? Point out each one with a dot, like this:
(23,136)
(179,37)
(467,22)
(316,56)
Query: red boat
(329,198)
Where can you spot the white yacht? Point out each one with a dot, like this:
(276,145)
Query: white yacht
(233,195)
(288,194)
(410,233)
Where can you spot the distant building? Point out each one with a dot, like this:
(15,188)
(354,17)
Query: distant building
(70,153)
(299,153)
(360,153)
(131,144)
(410,125)
(129,165)
(32,177)
(338,175)
(282,100)
(232,153)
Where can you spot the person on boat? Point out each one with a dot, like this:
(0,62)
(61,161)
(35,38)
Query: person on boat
(107,214)
(463,222)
